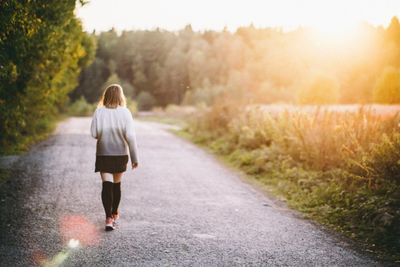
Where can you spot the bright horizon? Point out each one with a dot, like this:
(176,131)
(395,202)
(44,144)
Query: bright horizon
(173,15)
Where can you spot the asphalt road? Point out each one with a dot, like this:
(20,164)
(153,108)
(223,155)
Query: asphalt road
(180,208)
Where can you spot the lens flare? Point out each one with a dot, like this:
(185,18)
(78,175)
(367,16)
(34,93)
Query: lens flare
(73,243)
(76,230)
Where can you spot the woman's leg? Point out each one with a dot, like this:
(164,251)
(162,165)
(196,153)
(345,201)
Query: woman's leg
(107,192)
(116,192)
(117,177)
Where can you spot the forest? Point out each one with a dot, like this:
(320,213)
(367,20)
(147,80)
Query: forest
(262,65)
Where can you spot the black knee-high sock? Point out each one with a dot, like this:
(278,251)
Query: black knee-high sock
(116,197)
(107,197)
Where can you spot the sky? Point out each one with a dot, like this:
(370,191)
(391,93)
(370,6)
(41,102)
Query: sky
(326,15)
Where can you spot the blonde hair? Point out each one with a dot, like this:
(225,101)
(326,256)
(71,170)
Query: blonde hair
(113,97)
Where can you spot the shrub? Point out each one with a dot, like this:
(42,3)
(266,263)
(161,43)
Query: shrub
(81,107)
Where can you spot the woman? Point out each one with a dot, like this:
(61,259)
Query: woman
(112,126)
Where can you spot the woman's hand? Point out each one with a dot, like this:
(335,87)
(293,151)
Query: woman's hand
(134,165)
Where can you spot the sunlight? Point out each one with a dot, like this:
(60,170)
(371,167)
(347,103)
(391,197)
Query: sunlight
(335,22)
(336,31)
(328,15)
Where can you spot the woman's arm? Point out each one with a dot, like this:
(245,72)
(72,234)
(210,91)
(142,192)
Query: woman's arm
(130,137)
(93,126)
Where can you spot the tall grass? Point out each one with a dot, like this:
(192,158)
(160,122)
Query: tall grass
(340,168)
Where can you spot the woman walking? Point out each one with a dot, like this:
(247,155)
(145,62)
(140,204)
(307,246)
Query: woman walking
(112,126)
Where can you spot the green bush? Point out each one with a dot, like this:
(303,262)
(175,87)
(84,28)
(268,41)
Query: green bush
(81,107)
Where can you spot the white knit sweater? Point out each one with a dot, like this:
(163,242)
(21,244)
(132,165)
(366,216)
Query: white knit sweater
(114,131)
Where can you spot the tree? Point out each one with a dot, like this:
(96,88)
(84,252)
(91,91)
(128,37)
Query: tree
(91,81)
(393,31)
(387,87)
(126,86)
(42,50)
(263,65)
(145,101)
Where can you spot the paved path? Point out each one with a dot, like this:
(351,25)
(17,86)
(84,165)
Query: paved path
(180,208)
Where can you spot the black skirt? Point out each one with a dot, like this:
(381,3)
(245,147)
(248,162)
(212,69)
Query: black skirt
(111,164)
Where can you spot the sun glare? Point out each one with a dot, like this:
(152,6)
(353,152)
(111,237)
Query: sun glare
(337,34)
(336,22)
(335,27)
(329,16)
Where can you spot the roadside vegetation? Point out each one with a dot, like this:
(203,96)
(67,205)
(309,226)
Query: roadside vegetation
(42,51)
(341,169)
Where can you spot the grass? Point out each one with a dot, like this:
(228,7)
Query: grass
(341,170)
(163,119)
(302,190)
(172,115)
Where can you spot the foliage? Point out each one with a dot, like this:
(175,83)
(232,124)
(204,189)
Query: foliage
(42,50)
(200,96)
(341,169)
(132,105)
(93,76)
(127,87)
(263,65)
(387,88)
(145,101)
(81,107)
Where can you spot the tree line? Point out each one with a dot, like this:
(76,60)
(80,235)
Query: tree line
(261,65)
